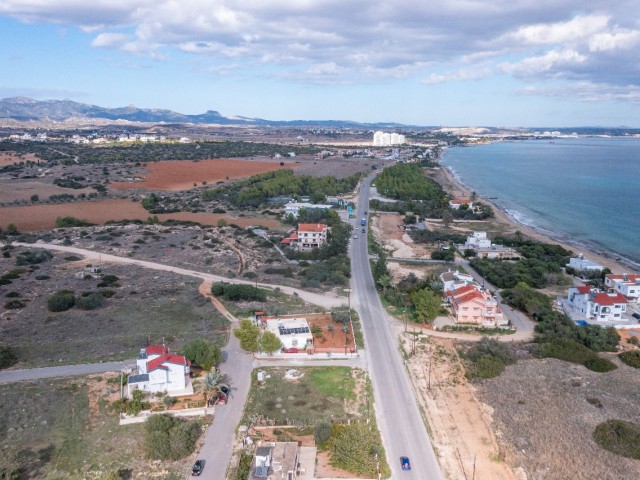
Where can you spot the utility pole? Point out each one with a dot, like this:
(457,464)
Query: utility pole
(430,359)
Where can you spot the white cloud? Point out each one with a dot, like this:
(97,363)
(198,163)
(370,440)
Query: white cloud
(576,29)
(110,40)
(333,41)
(587,92)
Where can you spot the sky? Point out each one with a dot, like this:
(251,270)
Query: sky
(502,63)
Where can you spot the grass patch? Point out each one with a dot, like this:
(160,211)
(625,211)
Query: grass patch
(575,352)
(619,437)
(319,394)
(334,381)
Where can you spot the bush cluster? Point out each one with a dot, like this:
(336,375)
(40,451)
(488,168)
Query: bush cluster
(235,293)
(572,351)
(61,301)
(33,257)
(619,437)
(631,358)
(170,438)
(7,357)
(488,358)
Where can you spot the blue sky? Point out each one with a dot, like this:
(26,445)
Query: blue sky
(453,63)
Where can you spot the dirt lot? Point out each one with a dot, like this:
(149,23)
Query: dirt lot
(9,158)
(398,244)
(143,306)
(461,426)
(546,410)
(35,218)
(178,175)
(67,430)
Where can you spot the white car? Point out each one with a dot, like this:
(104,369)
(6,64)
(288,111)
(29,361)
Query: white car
(355,236)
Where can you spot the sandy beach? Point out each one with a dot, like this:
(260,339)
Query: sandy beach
(455,188)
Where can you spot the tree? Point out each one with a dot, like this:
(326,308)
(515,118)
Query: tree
(249,336)
(213,384)
(447,218)
(202,353)
(35,197)
(384,282)
(427,304)
(269,343)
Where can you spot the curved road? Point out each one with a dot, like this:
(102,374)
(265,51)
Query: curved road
(401,425)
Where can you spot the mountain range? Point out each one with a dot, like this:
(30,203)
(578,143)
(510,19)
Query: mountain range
(28,109)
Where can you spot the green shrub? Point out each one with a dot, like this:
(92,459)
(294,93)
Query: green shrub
(486,367)
(203,354)
(353,448)
(238,292)
(7,358)
(61,301)
(32,257)
(170,438)
(619,437)
(572,351)
(12,295)
(66,222)
(14,304)
(631,358)
(322,432)
(72,258)
(90,302)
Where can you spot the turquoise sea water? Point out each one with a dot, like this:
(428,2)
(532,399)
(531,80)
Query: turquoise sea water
(585,191)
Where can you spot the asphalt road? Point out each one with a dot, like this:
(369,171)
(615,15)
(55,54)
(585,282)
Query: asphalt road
(403,430)
(10,376)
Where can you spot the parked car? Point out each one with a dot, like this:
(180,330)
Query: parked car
(635,315)
(197,468)
(406,464)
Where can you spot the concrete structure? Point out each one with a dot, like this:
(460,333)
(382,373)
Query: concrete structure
(474,306)
(384,139)
(292,332)
(294,208)
(627,284)
(454,280)
(308,236)
(483,247)
(275,461)
(597,305)
(157,370)
(581,264)
(456,203)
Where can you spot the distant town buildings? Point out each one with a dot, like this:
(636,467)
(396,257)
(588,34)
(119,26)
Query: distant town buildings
(384,139)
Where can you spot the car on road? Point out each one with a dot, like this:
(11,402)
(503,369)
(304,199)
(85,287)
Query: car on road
(355,236)
(197,468)
(635,315)
(363,230)
(406,464)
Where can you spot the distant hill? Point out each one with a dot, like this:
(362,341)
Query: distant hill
(28,109)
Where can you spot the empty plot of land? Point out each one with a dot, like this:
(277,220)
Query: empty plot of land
(183,175)
(22,190)
(9,158)
(139,306)
(546,412)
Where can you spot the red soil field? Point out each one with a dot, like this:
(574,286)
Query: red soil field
(175,175)
(33,218)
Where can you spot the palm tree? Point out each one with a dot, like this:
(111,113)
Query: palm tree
(213,384)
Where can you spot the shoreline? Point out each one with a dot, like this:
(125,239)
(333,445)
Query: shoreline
(609,259)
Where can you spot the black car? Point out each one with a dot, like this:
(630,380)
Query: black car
(363,230)
(197,468)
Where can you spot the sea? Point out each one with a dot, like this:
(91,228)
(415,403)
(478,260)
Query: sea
(583,191)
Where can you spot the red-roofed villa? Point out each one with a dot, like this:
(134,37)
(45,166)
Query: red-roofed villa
(472,305)
(308,236)
(157,370)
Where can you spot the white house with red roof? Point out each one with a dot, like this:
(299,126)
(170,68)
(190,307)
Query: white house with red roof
(453,280)
(158,370)
(308,236)
(627,284)
(472,305)
(456,203)
(601,306)
(609,306)
(580,299)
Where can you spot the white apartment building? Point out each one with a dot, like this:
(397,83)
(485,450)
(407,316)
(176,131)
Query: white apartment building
(384,139)
(582,264)
(627,284)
